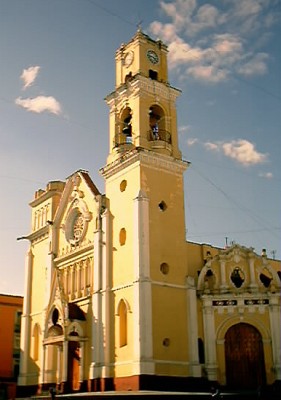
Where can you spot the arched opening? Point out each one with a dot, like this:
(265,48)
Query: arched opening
(36,331)
(124,131)
(122,312)
(209,280)
(201,351)
(265,277)
(157,124)
(244,357)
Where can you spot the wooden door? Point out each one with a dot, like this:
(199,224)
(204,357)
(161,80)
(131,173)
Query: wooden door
(73,366)
(244,357)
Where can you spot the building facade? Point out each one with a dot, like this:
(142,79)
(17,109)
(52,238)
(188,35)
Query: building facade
(10,317)
(115,298)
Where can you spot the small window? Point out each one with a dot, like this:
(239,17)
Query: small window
(237,277)
(166,342)
(55,316)
(164,268)
(122,323)
(123,185)
(201,351)
(153,75)
(36,342)
(122,236)
(17,321)
(265,277)
(162,206)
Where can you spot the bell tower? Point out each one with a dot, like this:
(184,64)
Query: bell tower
(143,105)
(146,235)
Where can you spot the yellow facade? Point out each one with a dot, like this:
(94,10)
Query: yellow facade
(115,298)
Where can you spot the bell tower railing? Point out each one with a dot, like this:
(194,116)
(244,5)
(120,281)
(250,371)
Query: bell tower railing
(160,134)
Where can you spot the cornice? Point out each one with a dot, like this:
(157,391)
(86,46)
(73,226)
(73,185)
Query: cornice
(39,234)
(146,158)
(75,253)
(45,196)
(145,86)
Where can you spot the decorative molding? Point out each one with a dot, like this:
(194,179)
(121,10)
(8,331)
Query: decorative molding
(152,160)
(141,85)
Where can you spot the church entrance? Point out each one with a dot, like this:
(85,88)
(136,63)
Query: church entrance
(244,357)
(73,366)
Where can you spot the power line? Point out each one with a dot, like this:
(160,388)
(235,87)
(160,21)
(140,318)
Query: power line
(198,234)
(238,205)
(112,13)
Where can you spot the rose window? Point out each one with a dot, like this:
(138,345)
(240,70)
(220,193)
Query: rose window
(78,227)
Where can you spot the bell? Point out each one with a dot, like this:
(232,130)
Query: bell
(127,130)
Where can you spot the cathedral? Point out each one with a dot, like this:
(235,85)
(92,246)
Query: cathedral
(115,298)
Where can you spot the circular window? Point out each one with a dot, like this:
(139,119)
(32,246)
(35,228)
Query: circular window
(162,206)
(123,185)
(164,268)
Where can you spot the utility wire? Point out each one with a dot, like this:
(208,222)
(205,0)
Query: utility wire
(112,13)
(257,219)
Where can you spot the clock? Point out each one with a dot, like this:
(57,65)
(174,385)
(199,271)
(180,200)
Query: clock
(152,56)
(129,58)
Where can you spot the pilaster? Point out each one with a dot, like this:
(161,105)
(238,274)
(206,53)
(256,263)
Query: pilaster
(142,307)
(192,328)
(26,322)
(210,340)
(275,327)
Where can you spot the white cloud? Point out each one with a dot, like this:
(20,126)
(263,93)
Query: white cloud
(267,175)
(211,43)
(212,146)
(244,152)
(255,66)
(192,141)
(208,73)
(40,104)
(241,150)
(183,128)
(29,75)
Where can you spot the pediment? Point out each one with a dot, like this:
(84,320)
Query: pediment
(77,213)
(238,269)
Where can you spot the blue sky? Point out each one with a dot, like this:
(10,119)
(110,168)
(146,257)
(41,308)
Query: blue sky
(57,65)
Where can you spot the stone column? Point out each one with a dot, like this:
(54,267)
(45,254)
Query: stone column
(82,362)
(64,361)
(192,328)
(106,290)
(142,307)
(79,271)
(59,364)
(275,328)
(26,322)
(223,285)
(48,277)
(42,367)
(97,329)
(209,340)
(253,284)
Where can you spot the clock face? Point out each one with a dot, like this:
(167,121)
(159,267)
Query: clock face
(152,56)
(128,59)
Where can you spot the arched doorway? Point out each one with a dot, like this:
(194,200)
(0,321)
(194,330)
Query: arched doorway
(73,364)
(244,357)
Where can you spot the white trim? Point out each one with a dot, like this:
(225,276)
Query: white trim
(142,305)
